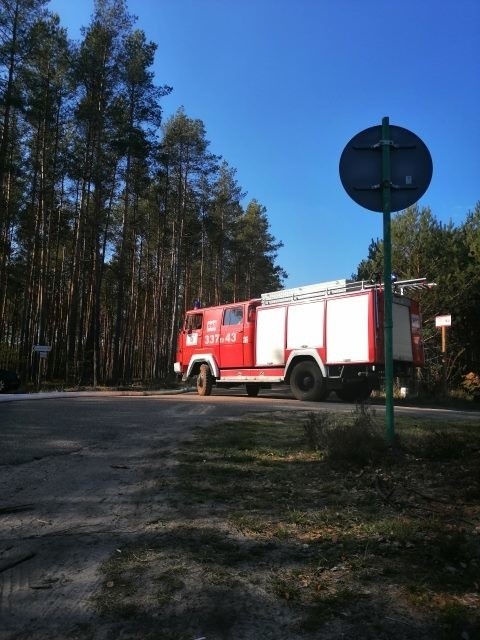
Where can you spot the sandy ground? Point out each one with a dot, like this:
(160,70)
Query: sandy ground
(75,485)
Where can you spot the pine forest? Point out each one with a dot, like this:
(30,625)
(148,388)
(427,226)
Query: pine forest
(113,219)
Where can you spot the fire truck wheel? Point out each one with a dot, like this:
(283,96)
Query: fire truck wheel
(252,389)
(204,381)
(307,382)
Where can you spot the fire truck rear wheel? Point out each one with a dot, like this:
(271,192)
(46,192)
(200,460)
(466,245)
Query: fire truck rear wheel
(204,381)
(252,389)
(307,382)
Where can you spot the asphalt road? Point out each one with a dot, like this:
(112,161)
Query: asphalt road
(80,477)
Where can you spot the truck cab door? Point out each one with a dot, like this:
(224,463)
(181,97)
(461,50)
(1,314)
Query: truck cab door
(231,337)
(248,338)
(192,335)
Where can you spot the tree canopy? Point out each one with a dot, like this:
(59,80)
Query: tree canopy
(448,255)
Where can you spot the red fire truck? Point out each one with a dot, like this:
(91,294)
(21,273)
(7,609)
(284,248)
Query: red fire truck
(317,338)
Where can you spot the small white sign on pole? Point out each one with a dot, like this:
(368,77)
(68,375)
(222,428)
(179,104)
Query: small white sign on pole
(443,321)
(42,348)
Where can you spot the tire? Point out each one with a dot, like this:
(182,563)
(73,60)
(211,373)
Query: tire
(307,382)
(204,381)
(252,389)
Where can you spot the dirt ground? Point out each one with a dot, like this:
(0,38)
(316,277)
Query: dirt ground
(75,481)
(79,480)
(86,483)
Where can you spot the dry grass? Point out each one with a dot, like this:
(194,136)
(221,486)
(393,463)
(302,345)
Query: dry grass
(311,528)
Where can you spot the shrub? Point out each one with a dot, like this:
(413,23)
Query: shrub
(471,384)
(316,427)
(357,442)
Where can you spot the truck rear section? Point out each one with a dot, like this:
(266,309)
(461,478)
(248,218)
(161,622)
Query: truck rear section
(316,339)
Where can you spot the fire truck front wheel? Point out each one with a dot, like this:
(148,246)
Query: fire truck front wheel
(204,381)
(307,382)
(252,389)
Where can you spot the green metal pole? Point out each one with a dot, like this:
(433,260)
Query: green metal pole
(387,280)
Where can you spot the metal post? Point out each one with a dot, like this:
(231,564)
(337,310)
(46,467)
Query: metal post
(387,280)
(444,361)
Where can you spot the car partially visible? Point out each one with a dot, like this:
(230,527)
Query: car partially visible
(9,381)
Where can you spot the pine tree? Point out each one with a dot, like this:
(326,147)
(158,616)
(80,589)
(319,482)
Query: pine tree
(139,115)
(17,18)
(447,255)
(98,78)
(42,230)
(224,213)
(185,161)
(254,268)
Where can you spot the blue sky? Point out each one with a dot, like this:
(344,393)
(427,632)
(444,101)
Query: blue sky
(283,85)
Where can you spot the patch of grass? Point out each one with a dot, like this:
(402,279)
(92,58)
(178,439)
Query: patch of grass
(169,582)
(442,445)
(115,598)
(310,518)
(358,441)
(456,621)
(328,605)
(284,587)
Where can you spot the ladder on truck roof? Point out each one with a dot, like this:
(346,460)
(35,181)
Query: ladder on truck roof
(337,287)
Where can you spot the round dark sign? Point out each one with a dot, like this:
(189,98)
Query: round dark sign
(361,165)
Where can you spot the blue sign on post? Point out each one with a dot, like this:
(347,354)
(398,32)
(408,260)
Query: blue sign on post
(386,168)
